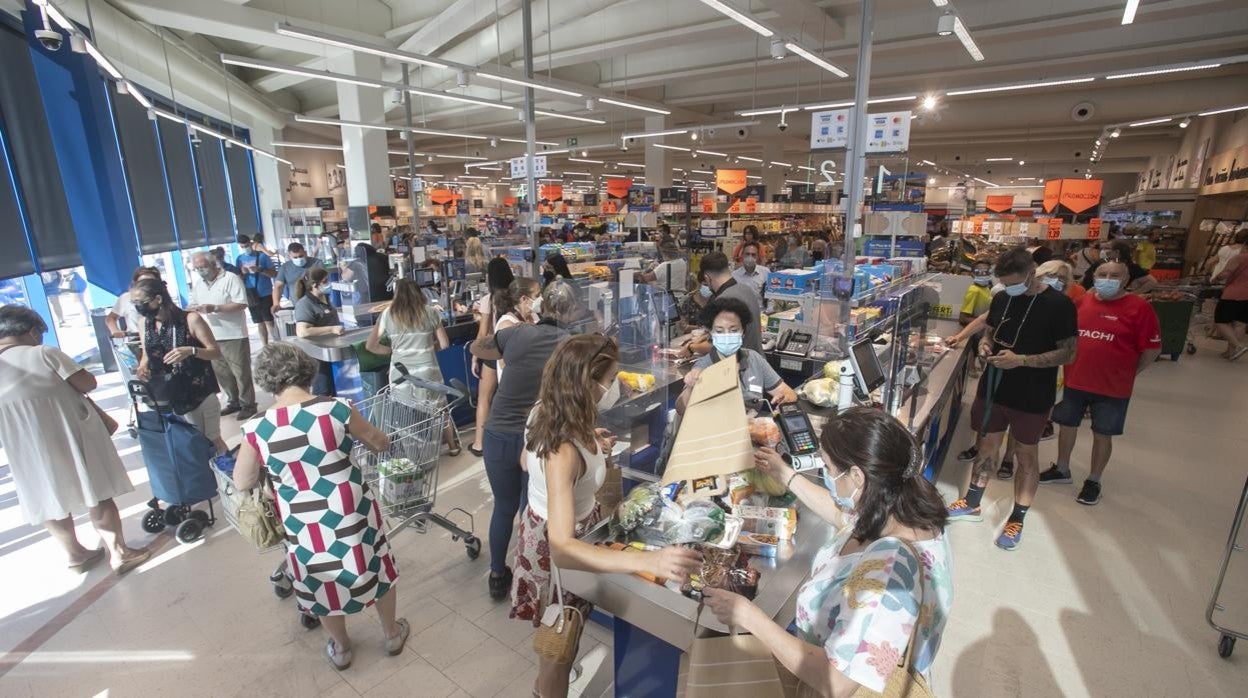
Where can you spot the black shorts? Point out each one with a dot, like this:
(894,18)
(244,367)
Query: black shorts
(261,312)
(1228,311)
(1109,414)
(1025,427)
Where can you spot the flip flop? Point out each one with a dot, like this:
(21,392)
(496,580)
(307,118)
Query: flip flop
(133,562)
(478,452)
(87,564)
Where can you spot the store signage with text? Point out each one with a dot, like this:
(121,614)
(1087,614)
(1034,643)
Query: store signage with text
(1079,195)
(1094,229)
(999,203)
(617,188)
(1055,228)
(1052,190)
(1226,172)
(887,132)
(730,181)
(520,167)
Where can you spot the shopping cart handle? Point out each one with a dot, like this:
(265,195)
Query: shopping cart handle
(456,391)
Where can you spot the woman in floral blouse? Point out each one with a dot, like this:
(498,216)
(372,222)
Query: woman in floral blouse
(856,613)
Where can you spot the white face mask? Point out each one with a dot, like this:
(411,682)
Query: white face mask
(610,396)
(536,309)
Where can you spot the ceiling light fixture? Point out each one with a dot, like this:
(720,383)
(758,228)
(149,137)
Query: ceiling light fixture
(669,147)
(944,25)
(940,3)
(998,159)
(655,134)
(880,100)
(592,162)
(1128,13)
(569,117)
(767,112)
(1187,121)
(1024,86)
(103,62)
(815,59)
(630,164)
(710,152)
(745,157)
(929,102)
(291,30)
(1223,111)
(977,179)
(808,169)
(781,164)
(629,105)
(1118,132)
(387,127)
(1022,162)
(528,83)
(964,35)
(244,62)
(308,146)
(1150,122)
(739,16)
(702,171)
(777,49)
(1163,71)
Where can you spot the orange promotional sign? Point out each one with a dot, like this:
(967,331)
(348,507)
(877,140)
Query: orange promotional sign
(708,204)
(1052,192)
(1079,195)
(735,206)
(552,192)
(751,205)
(1094,228)
(999,203)
(730,181)
(1055,228)
(441,196)
(618,188)
(610,206)
(509,201)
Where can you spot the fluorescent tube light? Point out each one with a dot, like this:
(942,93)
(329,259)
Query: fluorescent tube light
(618,103)
(710,152)
(309,146)
(781,164)
(613,176)
(702,171)
(1150,122)
(1024,86)
(1223,111)
(577,174)
(592,162)
(528,83)
(669,147)
(929,163)
(817,60)
(655,134)
(841,105)
(940,3)
(998,159)
(746,157)
(964,36)
(753,177)
(320,37)
(1163,71)
(103,62)
(739,16)
(569,117)
(630,164)
(1128,13)
(977,179)
(296,70)
(522,141)
(766,112)
(387,127)
(138,96)
(807,168)
(438,94)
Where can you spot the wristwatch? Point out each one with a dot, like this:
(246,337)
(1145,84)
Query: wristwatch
(1024,358)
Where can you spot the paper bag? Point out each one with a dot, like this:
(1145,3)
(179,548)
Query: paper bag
(733,666)
(714,436)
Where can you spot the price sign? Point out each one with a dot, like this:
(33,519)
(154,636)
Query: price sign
(1094,229)
(1055,228)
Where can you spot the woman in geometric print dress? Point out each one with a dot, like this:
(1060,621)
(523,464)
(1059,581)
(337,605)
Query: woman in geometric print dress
(335,536)
(864,599)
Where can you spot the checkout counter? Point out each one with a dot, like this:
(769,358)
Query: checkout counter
(653,625)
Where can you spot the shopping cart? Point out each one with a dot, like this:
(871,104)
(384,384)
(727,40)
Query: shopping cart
(404,477)
(1197,290)
(1226,644)
(128,350)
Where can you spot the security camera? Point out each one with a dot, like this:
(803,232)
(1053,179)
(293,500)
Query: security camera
(50,39)
(743,133)
(783,125)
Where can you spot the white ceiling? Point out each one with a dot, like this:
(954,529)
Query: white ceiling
(705,67)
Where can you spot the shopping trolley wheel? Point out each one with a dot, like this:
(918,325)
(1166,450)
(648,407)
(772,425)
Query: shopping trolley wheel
(189,531)
(472,544)
(1191,348)
(154,521)
(1225,646)
(282,588)
(309,622)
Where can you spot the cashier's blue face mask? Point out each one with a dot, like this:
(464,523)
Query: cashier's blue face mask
(727,344)
(845,504)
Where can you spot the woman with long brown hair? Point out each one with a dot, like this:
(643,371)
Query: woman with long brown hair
(567,463)
(416,335)
(490,311)
(885,571)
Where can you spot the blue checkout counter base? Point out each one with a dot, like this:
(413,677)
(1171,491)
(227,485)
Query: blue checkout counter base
(645,666)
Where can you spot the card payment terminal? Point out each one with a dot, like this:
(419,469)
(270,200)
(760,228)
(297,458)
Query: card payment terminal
(800,437)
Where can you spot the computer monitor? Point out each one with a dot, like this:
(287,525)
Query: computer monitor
(868,374)
(424,277)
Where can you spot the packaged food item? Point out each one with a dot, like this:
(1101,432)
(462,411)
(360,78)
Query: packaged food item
(764,432)
(723,569)
(636,382)
(629,548)
(759,544)
(703,488)
(732,532)
(820,391)
(765,483)
(699,522)
(400,481)
(780,522)
(739,487)
(643,504)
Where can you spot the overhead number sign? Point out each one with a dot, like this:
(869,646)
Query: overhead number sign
(520,166)
(887,132)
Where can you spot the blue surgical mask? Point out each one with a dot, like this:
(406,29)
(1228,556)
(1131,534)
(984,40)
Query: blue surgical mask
(983,280)
(1054,283)
(728,343)
(1017,289)
(845,504)
(299,261)
(1107,288)
(704,291)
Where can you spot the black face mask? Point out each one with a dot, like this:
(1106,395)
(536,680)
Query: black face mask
(147,311)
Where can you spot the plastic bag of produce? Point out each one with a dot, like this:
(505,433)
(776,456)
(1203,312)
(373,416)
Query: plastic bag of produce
(764,432)
(699,522)
(642,505)
(820,391)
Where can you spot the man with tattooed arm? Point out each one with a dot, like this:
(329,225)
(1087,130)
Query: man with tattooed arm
(1032,330)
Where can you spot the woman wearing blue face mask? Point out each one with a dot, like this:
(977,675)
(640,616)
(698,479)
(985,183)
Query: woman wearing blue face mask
(885,570)
(1058,275)
(726,319)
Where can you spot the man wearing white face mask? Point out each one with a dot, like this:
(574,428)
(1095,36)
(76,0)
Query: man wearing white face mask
(221,299)
(751,273)
(1031,331)
(1119,336)
(725,319)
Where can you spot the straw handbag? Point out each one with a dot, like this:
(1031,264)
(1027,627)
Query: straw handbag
(560,632)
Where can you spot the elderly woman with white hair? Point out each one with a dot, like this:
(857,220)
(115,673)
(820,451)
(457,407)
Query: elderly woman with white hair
(220,298)
(59,450)
(1060,277)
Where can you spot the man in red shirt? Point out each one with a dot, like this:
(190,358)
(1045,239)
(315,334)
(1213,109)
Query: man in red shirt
(1119,336)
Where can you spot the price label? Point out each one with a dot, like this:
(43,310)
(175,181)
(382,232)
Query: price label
(1094,228)
(942,311)
(1055,228)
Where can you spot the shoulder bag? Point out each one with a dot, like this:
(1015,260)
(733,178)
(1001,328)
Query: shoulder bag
(560,632)
(258,519)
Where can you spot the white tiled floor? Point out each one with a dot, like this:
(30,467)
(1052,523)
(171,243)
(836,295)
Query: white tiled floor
(1100,601)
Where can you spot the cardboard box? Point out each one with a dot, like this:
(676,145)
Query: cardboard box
(769,521)
(790,282)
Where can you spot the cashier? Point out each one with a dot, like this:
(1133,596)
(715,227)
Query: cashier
(881,583)
(315,318)
(726,319)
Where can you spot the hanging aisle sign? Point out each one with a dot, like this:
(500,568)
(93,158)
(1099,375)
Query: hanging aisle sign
(999,203)
(729,182)
(520,166)
(887,132)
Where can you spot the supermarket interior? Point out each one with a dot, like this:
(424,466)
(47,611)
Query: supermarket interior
(707,347)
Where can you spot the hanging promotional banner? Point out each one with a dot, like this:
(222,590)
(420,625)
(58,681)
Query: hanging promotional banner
(618,187)
(730,182)
(999,203)
(509,202)
(1052,191)
(610,206)
(590,199)
(887,132)
(1079,195)
(551,193)
(1094,229)
(751,205)
(441,196)
(708,204)
(641,199)
(400,188)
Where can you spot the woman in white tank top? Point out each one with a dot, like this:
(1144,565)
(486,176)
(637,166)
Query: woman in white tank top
(566,458)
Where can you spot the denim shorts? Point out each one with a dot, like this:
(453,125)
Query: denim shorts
(1109,414)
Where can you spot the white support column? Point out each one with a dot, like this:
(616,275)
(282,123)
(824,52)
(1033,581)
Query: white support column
(363,149)
(658,161)
(773,175)
(271,177)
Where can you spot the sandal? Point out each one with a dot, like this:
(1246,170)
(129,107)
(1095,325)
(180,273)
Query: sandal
(478,452)
(91,560)
(394,645)
(129,564)
(339,660)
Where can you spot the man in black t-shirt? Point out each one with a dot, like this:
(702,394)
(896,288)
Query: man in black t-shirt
(1032,330)
(1138,281)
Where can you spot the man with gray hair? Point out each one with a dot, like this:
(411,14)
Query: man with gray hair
(221,299)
